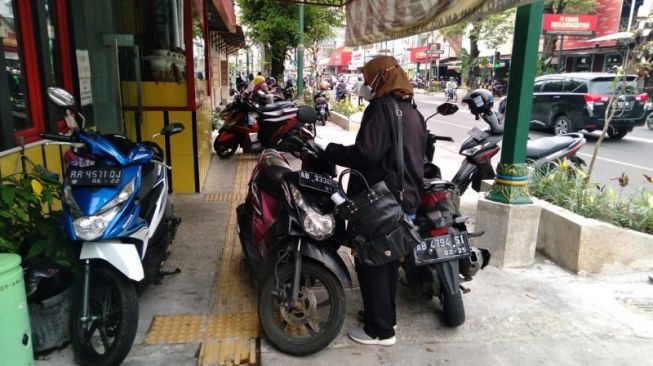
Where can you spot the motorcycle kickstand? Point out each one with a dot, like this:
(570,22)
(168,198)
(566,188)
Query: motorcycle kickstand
(162,274)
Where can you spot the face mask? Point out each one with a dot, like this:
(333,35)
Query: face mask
(366,92)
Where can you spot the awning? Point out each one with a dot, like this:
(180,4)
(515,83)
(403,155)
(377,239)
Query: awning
(371,21)
(225,9)
(227,41)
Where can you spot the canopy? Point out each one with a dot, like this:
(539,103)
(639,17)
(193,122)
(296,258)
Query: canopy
(371,21)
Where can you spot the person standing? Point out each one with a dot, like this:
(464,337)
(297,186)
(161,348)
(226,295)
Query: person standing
(373,154)
(357,88)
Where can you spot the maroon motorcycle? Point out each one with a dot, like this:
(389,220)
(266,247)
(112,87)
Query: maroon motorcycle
(290,238)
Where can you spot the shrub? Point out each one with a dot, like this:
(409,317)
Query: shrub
(565,186)
(345,107)
(28,226)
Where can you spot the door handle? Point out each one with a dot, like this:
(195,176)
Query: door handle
(556,97)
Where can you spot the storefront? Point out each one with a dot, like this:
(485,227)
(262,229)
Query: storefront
(339,60)
(133,67)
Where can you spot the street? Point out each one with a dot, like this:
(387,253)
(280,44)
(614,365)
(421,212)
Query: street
(632,155)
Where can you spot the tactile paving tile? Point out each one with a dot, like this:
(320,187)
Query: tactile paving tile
(176,329)
(218,197)
(228,352)
(232,325)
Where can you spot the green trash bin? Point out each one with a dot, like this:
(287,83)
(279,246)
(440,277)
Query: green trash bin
(15,333)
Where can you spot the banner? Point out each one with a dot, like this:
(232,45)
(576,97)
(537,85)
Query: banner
(569,24)
(371,21)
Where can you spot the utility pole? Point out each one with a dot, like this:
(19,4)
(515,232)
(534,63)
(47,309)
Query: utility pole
(300,56)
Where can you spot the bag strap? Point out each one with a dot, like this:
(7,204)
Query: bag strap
(399,145)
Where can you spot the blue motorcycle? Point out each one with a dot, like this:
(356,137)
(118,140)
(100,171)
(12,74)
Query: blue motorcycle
(116,207)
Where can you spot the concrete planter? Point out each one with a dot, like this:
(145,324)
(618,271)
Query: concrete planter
(581,244)
(343,121)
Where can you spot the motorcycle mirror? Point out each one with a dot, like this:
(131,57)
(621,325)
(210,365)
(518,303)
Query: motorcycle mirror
(171,129)
(446,109)
(61,97)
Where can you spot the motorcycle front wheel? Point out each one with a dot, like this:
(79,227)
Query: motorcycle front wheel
(107,337)
(225,149)
(316,319)
(453,310)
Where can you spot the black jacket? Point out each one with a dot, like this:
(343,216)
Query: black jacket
(373,154)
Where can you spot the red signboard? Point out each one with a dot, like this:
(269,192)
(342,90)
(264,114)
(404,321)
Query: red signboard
(569,24)
(340,57)
(428,53)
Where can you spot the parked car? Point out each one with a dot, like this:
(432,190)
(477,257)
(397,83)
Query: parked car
(565,103)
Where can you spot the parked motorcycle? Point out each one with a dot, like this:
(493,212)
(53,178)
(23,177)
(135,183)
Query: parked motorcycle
(451,95)
(116,207)
(253,128)
(321,101)
(481,145)
(290,239)
(444,258)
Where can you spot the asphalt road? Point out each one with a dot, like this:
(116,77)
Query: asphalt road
(633,155)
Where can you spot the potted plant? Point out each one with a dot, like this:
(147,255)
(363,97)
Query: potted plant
(30,227)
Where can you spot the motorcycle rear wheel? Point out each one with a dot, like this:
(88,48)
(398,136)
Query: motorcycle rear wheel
(649,121)
(107,339)
(225,149)
(453,310)
(302,331)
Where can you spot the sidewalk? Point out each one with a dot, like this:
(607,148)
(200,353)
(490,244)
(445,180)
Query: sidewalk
(541,315)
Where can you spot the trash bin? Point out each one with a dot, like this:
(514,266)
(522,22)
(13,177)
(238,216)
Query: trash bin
(15,337)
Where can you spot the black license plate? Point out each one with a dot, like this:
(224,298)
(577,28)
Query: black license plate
(318,182)
(441,248)
(94,175)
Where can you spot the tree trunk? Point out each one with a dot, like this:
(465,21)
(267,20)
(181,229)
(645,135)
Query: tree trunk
(549,48)
(475,70)
(277,66)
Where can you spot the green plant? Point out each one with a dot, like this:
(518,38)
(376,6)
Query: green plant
(308,97)
(28,226)
(345,107)
(433,88)
(566,187)
(216,121)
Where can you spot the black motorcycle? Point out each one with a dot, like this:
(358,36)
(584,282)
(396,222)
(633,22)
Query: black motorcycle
(321,101)
(290,239)
(445,258)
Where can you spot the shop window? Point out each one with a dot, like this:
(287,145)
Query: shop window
(158,30)
(14,100)
(611,61)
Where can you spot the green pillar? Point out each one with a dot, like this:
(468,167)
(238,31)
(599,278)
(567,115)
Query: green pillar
(300,56)
(511,184)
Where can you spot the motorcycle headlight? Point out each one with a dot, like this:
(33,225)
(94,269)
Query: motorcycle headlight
(92,227)
(126,192)
(316,225)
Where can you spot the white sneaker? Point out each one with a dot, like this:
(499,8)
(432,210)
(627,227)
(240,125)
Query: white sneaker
(359,335)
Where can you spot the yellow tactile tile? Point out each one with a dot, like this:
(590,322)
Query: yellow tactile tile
(230,351)
(176,329)
(232,325)
(218,197)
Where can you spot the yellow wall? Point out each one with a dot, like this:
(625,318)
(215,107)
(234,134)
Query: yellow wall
(155,94)
(184,158)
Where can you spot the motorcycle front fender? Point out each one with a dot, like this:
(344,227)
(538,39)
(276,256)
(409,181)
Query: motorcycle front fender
(124,257)
(448,274)
(226,136)
(328,258)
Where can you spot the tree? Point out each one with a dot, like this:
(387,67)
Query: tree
(559,7)
(493,30)
(320,24)
(274,25)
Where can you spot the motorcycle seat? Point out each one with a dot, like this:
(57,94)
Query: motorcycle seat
(276,106)
(280,112)
(277,119)
(547,145)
